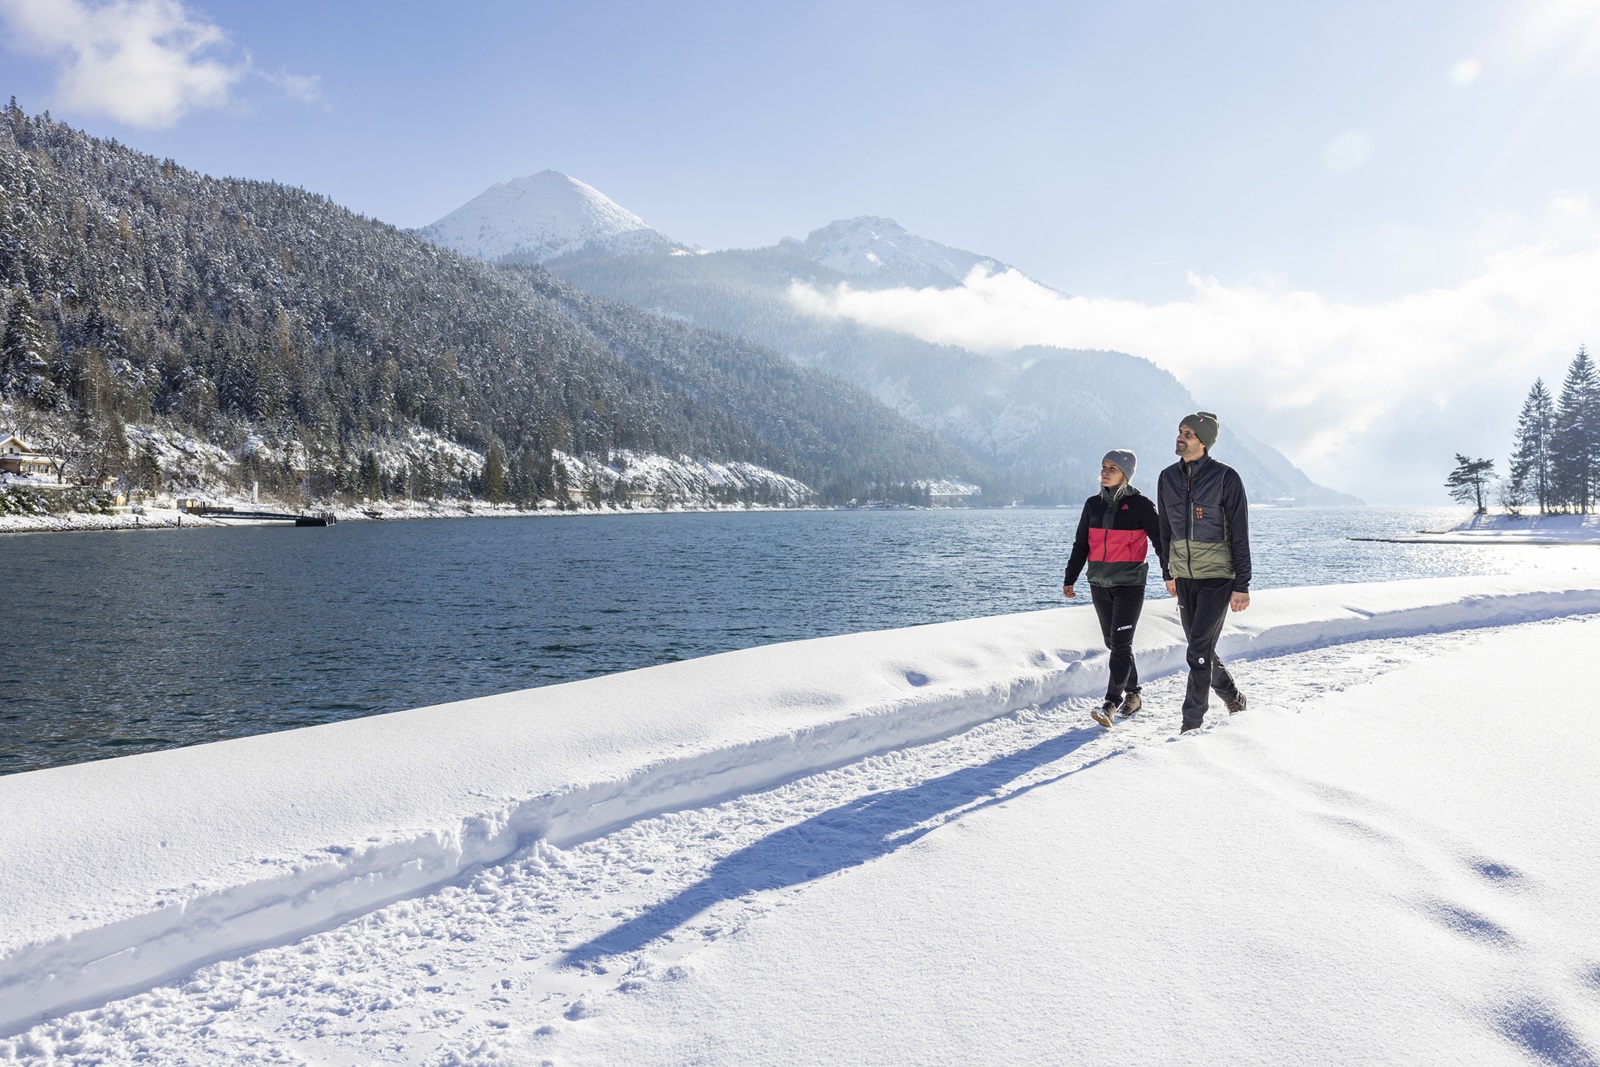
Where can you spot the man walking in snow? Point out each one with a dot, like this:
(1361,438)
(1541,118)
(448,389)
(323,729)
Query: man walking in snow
(1205,526)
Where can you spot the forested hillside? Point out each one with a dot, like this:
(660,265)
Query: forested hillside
(304,339)
(1039,418)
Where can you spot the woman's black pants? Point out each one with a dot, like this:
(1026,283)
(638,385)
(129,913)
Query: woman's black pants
(1118,607)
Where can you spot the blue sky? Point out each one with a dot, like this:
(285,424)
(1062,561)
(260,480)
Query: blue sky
(1359,156)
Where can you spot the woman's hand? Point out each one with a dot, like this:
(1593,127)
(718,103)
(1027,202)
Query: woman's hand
(1069,591)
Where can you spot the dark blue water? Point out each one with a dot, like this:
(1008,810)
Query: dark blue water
(122,642)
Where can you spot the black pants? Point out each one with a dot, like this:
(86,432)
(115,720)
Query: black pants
(1203,608)
(1118,607)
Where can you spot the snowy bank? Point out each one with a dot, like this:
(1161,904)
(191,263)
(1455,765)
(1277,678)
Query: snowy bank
(120,874)
(1374,866)
(1511,530)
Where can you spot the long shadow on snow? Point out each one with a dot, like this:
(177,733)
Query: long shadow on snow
(838,838)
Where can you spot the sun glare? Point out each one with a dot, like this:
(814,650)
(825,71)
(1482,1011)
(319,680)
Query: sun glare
(1464,72)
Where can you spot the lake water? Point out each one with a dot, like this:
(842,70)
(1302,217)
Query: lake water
(122,642)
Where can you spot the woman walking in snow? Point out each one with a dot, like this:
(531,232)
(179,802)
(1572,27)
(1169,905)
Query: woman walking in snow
(1114,535)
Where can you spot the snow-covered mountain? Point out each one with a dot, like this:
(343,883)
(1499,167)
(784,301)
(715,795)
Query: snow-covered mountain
(871,248)
(542,216)
(988,405)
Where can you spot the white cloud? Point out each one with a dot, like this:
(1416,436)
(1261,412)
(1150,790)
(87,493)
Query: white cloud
(1370,397)
(147,63)
(1347,152)
(307,89)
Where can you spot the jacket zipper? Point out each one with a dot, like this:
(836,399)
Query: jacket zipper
(1188,507)
(1107,517)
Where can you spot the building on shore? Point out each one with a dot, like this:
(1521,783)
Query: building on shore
(21,460)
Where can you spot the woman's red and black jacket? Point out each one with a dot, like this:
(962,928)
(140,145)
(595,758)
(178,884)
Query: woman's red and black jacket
(1114,539)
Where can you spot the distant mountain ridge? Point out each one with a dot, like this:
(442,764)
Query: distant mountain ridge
(879,251)
(1040,418)
(544,216)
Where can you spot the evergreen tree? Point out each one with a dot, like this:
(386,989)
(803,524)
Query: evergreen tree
(146,472)
(1575,441)
(1530,456)
(1468,481)
(494,475)
(370,478)
(24,362)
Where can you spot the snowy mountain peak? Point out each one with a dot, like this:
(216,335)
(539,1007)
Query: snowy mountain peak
(540,217)
(873,247)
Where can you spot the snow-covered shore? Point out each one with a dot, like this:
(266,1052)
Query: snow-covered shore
(154,518)
(1503,529)
(122,875)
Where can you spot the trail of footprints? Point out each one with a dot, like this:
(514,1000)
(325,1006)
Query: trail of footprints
(511,954)
(1478,899)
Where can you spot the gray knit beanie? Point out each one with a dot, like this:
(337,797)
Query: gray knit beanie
(1125,461)
(1205,426)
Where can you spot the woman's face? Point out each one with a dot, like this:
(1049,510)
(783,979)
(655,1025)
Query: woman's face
(1110,475)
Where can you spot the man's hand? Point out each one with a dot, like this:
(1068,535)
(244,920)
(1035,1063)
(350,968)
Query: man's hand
(1240,601)
(1069,591)
(1172,587)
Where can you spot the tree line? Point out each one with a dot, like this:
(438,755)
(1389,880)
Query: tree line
(306,341)
(1555,452)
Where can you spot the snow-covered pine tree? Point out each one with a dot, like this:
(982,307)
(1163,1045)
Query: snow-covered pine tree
(370,477)
(494,475)
(1530,454)
(1575,441)
(25,355)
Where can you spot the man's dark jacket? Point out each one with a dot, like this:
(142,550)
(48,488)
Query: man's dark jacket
(1205,522)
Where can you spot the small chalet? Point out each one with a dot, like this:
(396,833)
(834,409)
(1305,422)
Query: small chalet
(18,458)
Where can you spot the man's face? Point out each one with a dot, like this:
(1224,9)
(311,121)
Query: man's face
(1189,446)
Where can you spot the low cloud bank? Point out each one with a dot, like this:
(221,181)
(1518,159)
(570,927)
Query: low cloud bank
(1368,397)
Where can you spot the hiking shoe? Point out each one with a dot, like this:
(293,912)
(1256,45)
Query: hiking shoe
(1103,713)
(1130,704)
(1235,703)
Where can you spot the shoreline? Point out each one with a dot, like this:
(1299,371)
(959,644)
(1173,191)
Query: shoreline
(173,519)
(1561,528)
(1446,539)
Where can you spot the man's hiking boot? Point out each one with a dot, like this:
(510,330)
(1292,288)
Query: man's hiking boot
(1235,703)
(1103,713)
(1130,704)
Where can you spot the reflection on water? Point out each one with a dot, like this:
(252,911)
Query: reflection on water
(127,642)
